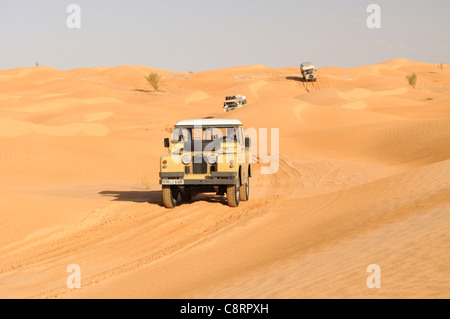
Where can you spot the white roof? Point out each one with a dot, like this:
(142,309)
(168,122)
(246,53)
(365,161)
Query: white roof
(307,65)
(209,122)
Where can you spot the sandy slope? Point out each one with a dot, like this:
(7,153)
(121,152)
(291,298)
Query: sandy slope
(364,178)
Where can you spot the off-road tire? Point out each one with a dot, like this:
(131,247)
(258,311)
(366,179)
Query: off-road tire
(169,200)
(244,190)
(233,195)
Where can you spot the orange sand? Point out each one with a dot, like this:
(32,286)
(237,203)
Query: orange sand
(364,178)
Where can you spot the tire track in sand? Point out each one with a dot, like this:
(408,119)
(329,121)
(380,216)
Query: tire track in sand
(129,236)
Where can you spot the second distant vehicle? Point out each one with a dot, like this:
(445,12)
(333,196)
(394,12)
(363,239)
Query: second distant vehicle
(234,102)
(308,71)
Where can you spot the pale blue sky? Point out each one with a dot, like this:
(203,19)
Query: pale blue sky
(197,35)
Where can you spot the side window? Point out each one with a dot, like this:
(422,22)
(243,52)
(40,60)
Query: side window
(208,134)
(178,135)
(240,136)
(186,135)
(231,133)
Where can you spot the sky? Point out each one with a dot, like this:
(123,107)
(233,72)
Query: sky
(198,35)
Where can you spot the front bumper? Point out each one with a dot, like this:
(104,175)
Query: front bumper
(216,178)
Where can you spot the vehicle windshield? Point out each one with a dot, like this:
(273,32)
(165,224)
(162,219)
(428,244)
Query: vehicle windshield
(203,133)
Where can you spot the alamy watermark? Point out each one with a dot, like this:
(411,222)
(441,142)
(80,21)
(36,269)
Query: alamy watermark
(374,19)
(227,145)
(73,21)
(74,279)
(374,279)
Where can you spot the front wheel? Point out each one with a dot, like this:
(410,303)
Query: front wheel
(233,195)
(170,195)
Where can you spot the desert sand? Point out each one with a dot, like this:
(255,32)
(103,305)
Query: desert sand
(364,178)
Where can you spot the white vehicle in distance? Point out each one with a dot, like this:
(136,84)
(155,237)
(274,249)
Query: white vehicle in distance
(234,102)
(308,71)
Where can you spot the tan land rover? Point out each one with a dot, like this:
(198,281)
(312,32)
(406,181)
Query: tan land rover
(206,155)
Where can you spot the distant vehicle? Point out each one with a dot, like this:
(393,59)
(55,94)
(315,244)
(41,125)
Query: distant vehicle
(234,102)
(308,71)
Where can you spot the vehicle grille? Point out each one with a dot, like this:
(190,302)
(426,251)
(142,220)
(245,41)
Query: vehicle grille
(199,166)
(201,145)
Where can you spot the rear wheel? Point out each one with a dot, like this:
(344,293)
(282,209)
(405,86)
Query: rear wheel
(233,195)
(244,190)
(170,195)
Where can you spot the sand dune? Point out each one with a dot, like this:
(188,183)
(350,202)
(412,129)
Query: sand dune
(363,179)
(196,97)
(13,128)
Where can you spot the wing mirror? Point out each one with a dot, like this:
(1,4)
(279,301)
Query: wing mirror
(248,142)
(166,142)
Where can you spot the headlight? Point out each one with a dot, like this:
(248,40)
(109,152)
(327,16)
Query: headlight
(212,159)
(186,159)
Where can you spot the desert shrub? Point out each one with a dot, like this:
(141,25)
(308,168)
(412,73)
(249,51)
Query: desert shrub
(412,79)
(155,80)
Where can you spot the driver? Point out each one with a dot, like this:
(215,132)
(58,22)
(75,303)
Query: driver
(231,134)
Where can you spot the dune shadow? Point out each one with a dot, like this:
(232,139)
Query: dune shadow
(210,198)
(152,197)
(296,78)
(143,90)
(155,197)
